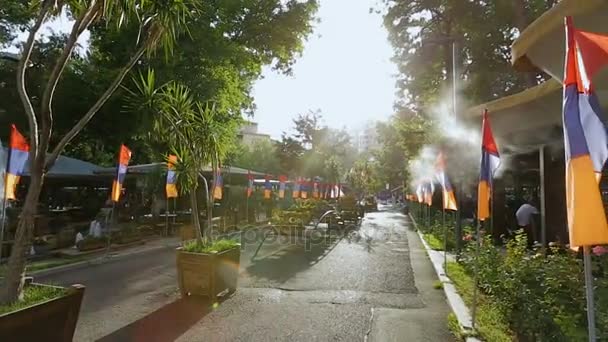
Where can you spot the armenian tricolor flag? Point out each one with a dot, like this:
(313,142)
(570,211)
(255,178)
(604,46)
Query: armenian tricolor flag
(296,188)
(315,190)
(490,161)
(585,137)
(428,189)
(282,181)
(171,186)
(267,188)
(420,193)
(123,161)
(18,155)
(218,187)
(304,189)
(249,184)
(449,201)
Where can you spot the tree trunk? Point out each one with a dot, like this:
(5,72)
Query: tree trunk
(209,206)
(23,239)
(196,223)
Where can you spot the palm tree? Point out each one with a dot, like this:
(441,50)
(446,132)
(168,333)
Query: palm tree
(160,22)
(198,133)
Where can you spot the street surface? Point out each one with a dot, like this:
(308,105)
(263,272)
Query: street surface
(374,283)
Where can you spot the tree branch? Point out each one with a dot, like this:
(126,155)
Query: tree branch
(21,67)
(46,110)
(93,110)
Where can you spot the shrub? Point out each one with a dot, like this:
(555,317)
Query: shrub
(216,246)
(543,296)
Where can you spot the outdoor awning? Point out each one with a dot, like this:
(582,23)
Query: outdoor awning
(143,169)
(66,167)
(542,43)
(524,121)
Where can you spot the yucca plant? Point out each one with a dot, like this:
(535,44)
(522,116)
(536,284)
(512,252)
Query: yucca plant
(198,133)
(160,22)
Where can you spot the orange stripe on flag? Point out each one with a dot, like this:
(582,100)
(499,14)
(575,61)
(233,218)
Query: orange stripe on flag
(586,217)
(116,190)
(449,201)
(483,200)
(10,186)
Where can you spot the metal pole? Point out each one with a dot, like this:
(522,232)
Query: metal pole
(174,210)
(477,245)
(458,225)
(2,226)
(110,229)
(543,216)
(445,241)
(589,292)
(167,217)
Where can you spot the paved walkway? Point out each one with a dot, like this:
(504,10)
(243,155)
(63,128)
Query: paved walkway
(374,284)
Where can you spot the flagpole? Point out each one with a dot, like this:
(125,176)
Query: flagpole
(3,223)
(445,241)
(476,280)
(110,228)
(167,216)
(589,293)
(174,210)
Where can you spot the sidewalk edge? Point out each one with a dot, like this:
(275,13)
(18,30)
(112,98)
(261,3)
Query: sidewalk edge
(455,301)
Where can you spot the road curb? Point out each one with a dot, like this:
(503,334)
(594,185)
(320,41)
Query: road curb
(455,301)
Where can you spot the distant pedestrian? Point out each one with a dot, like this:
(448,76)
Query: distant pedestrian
(526,221)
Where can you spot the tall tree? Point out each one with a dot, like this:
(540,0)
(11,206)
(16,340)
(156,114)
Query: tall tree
(159,22)
(422,32)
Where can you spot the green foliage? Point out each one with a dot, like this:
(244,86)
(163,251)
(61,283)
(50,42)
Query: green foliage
(492,324)
(421,33)
(542,296)
(210,247)
(33,295)
(438,285)
(433,242)
(261,157)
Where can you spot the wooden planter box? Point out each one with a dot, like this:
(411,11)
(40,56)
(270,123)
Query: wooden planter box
(53,320)
(208,274)
(126,239)
(89,245)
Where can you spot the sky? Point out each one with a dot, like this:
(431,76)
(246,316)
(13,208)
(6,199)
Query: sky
(345,71)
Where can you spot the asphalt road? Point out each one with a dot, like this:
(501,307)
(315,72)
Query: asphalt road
(345,288)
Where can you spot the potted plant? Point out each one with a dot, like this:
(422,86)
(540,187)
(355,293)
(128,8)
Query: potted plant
(199,136)
(91,243)
(46,313)
(208,269)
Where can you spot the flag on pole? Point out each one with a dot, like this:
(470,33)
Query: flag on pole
(249,184)
(18,154)
(218,187)
(420,193)
(449,201)
(282,180)
(3,163)
(304,189)
(315,190)
(585,137)
(171,186)
(267,188)
(490,161)
(123,161)
(428,189)
(296,188)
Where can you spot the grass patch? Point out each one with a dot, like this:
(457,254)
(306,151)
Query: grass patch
(33,295)
(491,325)
(433,241)
(438,285)
(213,247)
(45,264)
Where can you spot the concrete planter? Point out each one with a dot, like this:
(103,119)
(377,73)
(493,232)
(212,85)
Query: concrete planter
(208,274)
(91,244)
(53,320)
